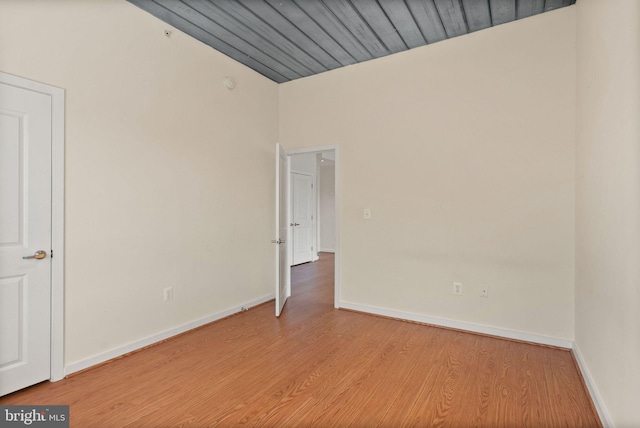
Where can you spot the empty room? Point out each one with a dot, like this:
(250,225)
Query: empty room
(320,213)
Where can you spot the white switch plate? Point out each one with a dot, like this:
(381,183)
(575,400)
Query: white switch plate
(367,213)
(484,291)
(168,294)
(457,288)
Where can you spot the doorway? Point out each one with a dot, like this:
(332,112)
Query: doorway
(321,164)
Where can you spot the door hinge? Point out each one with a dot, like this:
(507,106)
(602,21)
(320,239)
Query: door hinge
(51,253)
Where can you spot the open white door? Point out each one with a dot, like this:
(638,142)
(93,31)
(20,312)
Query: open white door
(283,270)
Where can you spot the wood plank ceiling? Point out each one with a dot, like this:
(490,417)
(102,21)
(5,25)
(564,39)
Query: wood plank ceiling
(289,39)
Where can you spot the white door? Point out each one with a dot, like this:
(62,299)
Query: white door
(283,271)
(25,230)
(302,207)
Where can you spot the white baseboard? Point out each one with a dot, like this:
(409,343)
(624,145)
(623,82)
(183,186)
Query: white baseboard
(459,325)
(150,340)
(605,417)
(326,250)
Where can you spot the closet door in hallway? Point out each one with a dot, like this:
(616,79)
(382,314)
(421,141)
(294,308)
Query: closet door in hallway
(302,208)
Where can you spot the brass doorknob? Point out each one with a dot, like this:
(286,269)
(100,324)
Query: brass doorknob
(40,254)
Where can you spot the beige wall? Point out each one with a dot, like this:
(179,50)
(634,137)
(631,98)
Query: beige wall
(464,152)
(608,202)
(165,168)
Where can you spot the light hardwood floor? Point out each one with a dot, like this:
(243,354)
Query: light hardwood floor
(317,366)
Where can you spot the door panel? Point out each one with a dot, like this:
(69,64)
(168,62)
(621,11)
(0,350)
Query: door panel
(11,207)
(283,271)
(302,217)
(25,227)
(11,314)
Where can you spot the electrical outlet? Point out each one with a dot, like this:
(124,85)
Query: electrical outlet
(457,288)
(484,291)
(168,294)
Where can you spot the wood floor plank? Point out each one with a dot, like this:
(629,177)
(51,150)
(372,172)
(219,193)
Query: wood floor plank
(318,366)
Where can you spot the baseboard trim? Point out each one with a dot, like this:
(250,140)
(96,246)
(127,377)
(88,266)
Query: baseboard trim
(603,413)
(459,325)
(158,337)
(326,250)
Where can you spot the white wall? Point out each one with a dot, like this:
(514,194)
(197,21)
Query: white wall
(608,203)
(165,168)
(327,214)
(464,151)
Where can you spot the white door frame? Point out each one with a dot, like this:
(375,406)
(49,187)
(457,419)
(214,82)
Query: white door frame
(57,215)
(336,149)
